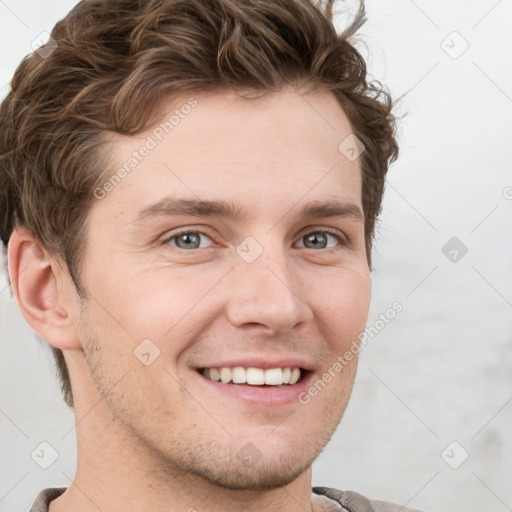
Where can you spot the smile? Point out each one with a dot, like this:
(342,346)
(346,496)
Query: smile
(253,376)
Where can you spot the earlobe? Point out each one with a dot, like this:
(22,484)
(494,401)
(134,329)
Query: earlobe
(39,285)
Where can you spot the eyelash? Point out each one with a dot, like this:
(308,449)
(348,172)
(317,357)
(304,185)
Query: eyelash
(342,241)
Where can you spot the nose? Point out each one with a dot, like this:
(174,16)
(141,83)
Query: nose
(268,294)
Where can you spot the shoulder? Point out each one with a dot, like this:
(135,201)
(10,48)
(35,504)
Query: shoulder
(44,498)
(354,502)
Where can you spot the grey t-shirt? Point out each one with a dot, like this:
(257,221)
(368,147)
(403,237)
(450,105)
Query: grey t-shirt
(331,500)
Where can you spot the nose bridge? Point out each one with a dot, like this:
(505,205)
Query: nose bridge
(264,289)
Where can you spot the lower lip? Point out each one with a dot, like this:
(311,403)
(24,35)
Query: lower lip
(268,396)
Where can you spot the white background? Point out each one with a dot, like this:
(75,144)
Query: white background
(441,371)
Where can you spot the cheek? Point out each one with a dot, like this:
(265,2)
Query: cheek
(343,303)
(152,304)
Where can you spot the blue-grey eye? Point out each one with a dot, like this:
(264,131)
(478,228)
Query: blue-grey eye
(188,240)
(319,240)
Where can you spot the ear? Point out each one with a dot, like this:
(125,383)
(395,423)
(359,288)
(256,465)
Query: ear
(44,291)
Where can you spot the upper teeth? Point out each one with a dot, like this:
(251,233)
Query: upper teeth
(253,376)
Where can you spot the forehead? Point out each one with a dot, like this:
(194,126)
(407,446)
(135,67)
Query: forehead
(207,145)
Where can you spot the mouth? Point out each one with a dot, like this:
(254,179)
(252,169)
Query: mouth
(256,381)
(255,377)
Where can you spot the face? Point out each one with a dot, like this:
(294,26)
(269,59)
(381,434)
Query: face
(235,241)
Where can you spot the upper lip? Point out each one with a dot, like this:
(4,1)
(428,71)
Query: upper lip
(264,362)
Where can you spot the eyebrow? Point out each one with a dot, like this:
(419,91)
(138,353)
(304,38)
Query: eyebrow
(170,206)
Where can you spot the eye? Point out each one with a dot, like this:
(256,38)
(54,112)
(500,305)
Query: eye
(320,240)
(187,240)
(191,240)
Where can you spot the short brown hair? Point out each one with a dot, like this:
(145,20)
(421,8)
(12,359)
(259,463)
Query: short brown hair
(117,59)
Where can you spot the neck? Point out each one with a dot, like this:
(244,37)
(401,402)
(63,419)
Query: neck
(112,485)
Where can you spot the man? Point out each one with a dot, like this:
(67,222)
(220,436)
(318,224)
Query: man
(189,195)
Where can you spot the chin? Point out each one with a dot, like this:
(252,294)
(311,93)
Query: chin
(249,468)
(259,477)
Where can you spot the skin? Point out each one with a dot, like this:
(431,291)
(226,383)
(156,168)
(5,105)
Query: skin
(156,437)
